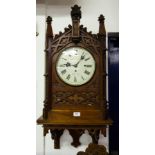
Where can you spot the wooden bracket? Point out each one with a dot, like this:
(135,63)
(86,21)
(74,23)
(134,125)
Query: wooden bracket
(76,136)
(55,135)
(76,133)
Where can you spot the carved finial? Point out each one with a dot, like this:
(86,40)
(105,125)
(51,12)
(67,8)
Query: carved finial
(49,20)
(76,12)
(101,18)
(101,25)
(76,15)
(49,31)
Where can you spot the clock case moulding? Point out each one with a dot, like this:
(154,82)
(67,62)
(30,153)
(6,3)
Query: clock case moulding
(62,100)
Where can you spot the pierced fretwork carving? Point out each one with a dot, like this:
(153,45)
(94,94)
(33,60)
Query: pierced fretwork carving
(87,40)
(60,97)
(64,40)
(83,98)
(76,99)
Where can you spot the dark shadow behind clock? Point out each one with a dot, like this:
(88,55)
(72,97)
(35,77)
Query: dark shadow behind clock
(113,72)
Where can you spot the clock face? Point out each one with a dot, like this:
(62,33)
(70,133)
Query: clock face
(75,66)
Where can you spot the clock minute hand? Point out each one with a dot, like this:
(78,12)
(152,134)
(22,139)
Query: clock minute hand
(81,58)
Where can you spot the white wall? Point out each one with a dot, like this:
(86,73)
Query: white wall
(60,12)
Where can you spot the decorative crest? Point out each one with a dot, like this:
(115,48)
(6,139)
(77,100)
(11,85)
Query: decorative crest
(76,15)
(76,12)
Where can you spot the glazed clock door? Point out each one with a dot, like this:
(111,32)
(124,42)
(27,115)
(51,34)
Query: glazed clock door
(75,66)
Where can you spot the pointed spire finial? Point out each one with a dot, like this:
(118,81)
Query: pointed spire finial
(49,31)
(102,31)
(49,20)
(76,16)
(101,18)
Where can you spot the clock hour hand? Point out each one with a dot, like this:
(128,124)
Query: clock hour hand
(67,65)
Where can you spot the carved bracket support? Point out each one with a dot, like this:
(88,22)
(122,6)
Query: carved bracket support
(76,133)
(95,135)
(55,135)
(102,31)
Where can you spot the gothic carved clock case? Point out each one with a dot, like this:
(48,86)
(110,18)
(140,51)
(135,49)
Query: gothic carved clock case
(75,81)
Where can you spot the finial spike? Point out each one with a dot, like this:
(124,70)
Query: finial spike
(102,31)
(76,16)
(49,31)
(76,12)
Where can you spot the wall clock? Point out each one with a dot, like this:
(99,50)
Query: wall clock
(75,81)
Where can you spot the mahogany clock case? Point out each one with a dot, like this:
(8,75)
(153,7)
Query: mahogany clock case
(63,100)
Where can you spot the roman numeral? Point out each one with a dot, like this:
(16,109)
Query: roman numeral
(82,78)
(75,80)
(62,66)
(63,71)
(87,59)
(86,72)
(64,59)
(68,76)
(87,65)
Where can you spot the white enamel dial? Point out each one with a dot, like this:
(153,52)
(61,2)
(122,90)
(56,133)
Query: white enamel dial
(75,66)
